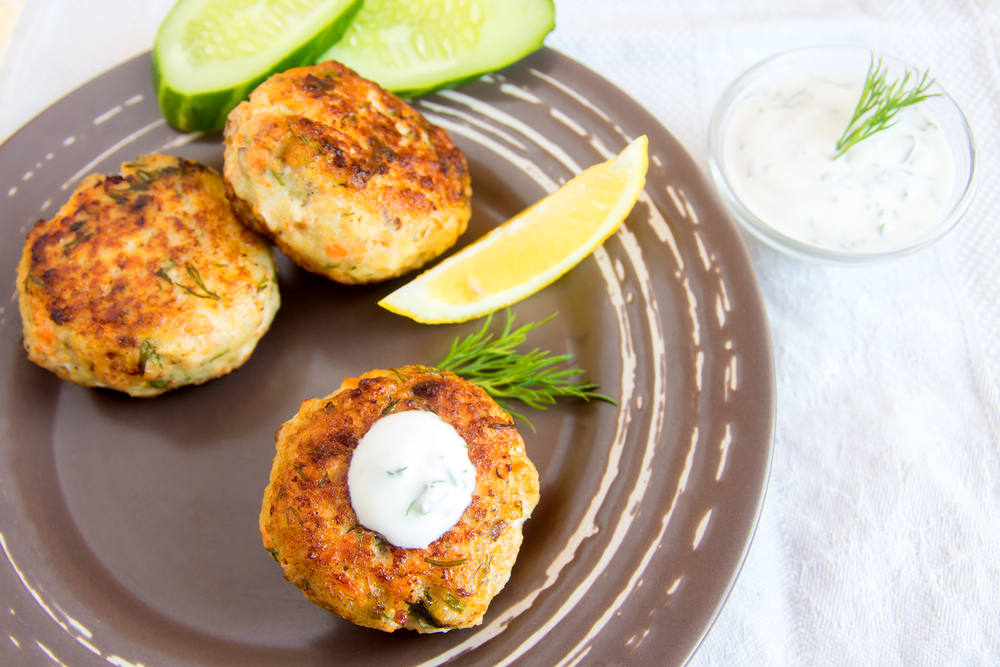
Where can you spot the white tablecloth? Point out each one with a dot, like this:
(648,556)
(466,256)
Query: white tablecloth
(879,542)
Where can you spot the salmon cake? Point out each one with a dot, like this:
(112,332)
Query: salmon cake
(310,525)
(144,281)
(349,181)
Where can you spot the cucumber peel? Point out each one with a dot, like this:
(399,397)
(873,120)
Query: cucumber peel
(210,54)
(413,47)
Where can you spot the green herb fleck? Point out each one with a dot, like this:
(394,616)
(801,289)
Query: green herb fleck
(218,356)
(143,177)
(484,570)
(192,271)
(292,511)
(420,611)
(147,352)
(499,425)
(82,235)
(445,563)
(311,143)
(454,602)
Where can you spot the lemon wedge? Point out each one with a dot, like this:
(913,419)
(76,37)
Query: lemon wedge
(532,249)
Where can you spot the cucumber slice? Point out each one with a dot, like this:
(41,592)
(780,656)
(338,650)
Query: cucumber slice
(413,47)
(210,54)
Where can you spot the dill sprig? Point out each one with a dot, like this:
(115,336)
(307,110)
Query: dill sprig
(880,102)
(495,365)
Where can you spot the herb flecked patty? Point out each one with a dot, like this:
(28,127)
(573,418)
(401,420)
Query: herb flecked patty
(349,181)
(145,281)
(311,529)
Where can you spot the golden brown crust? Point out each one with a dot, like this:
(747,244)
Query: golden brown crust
(309,525)
(345,178)
(142,275)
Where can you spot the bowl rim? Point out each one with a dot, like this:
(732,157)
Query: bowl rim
(795,247)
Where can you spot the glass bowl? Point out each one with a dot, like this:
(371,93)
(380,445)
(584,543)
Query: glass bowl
(833,63)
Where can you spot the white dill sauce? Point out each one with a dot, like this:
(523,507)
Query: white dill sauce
(779,151)
(410,478)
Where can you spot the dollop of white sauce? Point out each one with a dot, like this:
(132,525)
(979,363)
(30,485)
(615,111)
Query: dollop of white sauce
(779,153)
(410,478)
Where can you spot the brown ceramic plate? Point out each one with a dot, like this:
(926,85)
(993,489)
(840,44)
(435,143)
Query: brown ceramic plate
(129,526)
